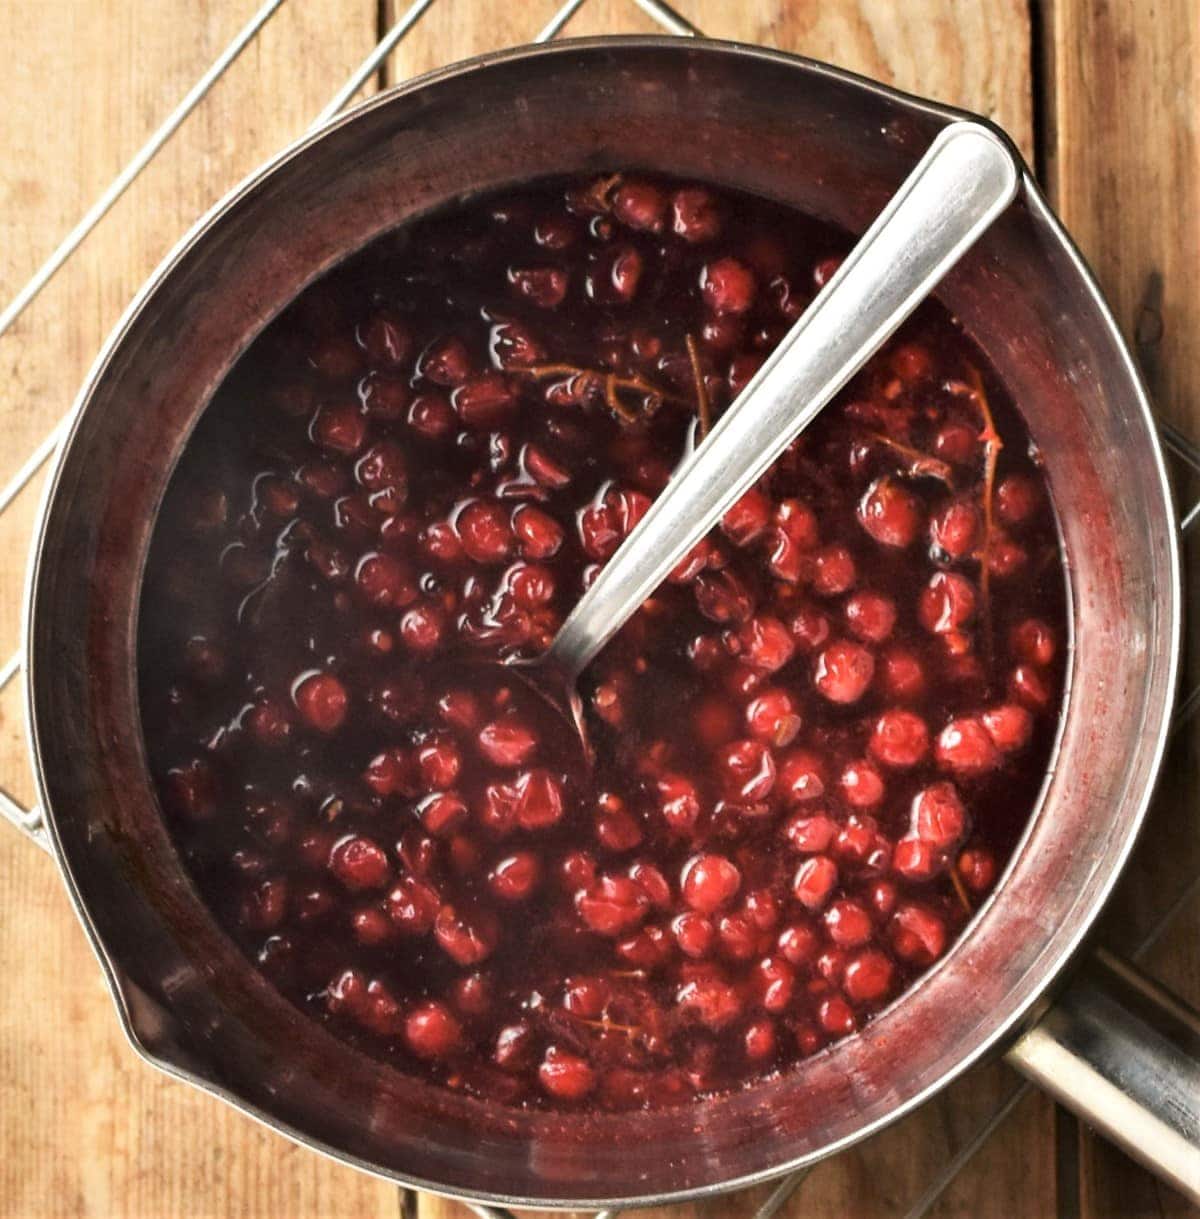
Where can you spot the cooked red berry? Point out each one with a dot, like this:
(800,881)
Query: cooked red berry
(1033,641)
(694,934)
(814,881)
(695,215)
(843,671)
(467,936)
(764,643)
(1009,726)
(918,934)
(445,361)
(901,675)
(746,521)
(412,906)
(938,816)
(359,863)
(1017,498)
(485,532)
(321,700)
(746,770)
(640,205)
(947,603)
(265,905)
(870,616)
(1028,685)
(539,800)
(834,571)
(722,597)
(565,1075)
(539,535)
(911,362)
(709,882)
(773,717)
(915,859)
(386,340)
(679,802)
(900,738)
(977,867)
(847,923)
(775,982)
(836,1016)
(809,833)
(965,747)
(861,784)
(955,529)
(890,513)
(545,287)
(798,943)
(612,905)
(431,1031)
(727,286)
(801,776)
(515,876)
(868,976)
(709,1000)
(507,742)
(339,427)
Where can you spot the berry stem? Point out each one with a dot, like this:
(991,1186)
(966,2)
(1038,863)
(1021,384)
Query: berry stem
(703,406)
(600,192)
(920,465)
(613,385)
(991,454)
(959,888)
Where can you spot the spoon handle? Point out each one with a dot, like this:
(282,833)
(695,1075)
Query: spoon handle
(962,183)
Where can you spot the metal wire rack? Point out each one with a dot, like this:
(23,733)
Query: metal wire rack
(1183,449)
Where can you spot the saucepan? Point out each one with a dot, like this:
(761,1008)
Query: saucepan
(1107,1042)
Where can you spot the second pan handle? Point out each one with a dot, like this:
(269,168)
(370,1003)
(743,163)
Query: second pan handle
(1123,1053)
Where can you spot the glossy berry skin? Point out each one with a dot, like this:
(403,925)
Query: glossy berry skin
(431,1031)
(709,881)
(843,672)
(322,701)
(890,513)
(815,745)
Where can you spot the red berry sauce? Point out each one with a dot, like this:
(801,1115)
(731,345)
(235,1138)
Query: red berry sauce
(817,744)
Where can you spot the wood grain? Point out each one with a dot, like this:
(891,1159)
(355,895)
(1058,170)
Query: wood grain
(89,1130)
(1123,169)
(86,1128)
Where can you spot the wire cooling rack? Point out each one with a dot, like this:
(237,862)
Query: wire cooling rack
(1184,450)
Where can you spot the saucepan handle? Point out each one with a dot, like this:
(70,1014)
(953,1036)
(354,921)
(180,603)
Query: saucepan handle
(1123,1054)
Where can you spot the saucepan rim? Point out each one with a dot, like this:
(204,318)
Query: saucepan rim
(1169,598)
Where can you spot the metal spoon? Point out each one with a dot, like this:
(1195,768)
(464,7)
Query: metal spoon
(962,183)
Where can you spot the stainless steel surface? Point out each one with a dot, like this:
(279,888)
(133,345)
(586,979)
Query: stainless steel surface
(966,178)
(994,1120)
(142,1020)
(1124,1055)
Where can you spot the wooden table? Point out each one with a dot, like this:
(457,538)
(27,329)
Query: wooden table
(1103,96)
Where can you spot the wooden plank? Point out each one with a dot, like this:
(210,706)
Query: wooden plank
(1123,167)
(971,55)
(88,1129)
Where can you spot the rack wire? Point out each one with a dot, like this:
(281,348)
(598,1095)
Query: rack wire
(1182,448)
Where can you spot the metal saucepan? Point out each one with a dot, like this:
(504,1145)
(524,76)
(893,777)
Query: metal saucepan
(835,146)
